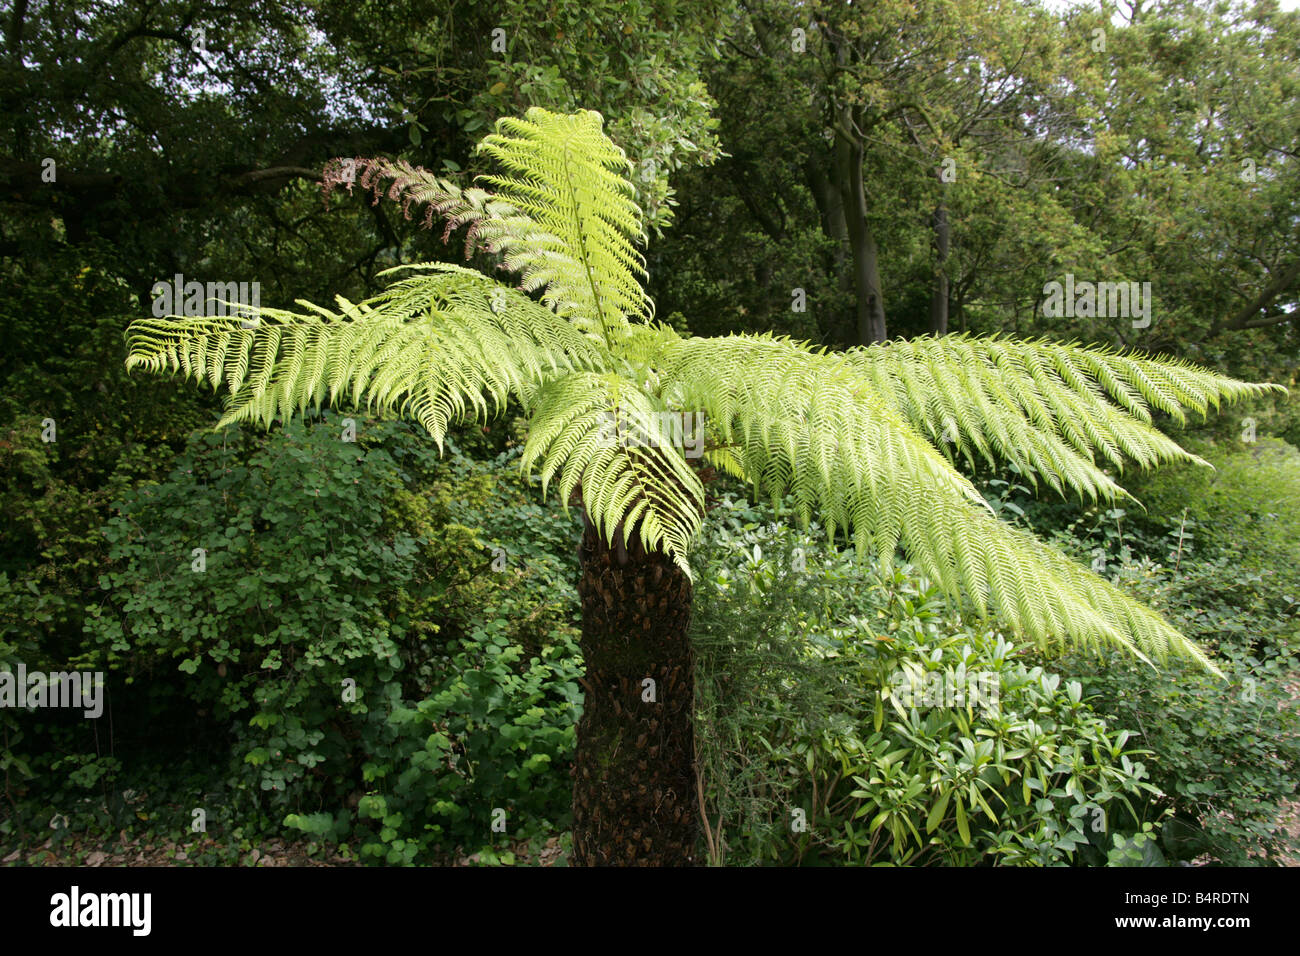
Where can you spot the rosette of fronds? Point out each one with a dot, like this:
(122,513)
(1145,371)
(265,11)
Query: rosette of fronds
(865,439)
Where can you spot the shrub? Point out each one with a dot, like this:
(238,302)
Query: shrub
(1225,758)
(1218,553)
(821,740)
(330,638)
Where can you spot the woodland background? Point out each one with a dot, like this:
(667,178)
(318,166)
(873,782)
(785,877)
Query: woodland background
(841,173)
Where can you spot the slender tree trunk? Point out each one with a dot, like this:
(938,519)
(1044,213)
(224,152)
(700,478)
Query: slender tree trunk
(634,792)
(839,328)
(939,296)
(866,257)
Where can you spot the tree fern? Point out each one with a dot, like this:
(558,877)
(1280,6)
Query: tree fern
(861,438)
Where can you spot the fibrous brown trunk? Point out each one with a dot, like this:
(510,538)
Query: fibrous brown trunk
(634,792)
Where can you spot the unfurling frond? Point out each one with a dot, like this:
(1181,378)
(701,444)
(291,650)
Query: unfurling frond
(1052,409)
(438,348)
(815,426)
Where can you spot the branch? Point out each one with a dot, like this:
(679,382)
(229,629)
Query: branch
(1242,319)
(1270,318)
(277,172)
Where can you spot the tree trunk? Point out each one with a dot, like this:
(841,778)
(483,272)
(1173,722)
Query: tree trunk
(939,295)
(866,258)
(841,327)
(634,791)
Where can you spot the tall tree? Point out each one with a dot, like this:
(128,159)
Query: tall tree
(185,136)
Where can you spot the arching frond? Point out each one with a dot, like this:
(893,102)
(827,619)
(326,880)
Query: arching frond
(441,347)
(604,433)
(1056,410)
(563,216)
(814,425)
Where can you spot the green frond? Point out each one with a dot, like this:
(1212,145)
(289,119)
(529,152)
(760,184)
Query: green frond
(602,432)
(816,426)
(441,347)
(577,221)
(1058,411)
(562,216)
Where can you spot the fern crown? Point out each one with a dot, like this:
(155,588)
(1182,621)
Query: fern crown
(866,439)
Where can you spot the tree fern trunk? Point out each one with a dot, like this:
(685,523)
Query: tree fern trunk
(634,793)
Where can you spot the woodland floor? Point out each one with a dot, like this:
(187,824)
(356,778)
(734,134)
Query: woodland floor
(147,851)
(129,850)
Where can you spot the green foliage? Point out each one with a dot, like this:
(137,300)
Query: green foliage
(1216,551)
(1243,512)
(860,703)
(744,297)
(845,433)
(75,432)
(1226,760)
(333,640)
(495,734)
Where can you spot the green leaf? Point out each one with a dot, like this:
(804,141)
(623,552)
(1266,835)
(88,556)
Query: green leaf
(937,811)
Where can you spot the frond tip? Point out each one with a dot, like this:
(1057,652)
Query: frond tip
(1059,412)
